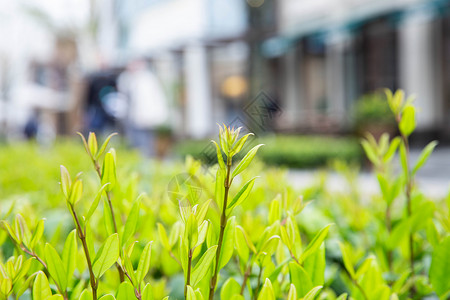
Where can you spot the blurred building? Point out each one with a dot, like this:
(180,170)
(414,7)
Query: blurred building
(313,58)
(335,51)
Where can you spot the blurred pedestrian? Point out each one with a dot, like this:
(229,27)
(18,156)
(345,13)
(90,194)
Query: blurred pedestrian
(147,108)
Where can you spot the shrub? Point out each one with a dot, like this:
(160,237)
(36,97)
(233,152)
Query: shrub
(292,151)
(223,231)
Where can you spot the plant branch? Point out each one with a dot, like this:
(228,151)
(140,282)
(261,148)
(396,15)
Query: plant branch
(223,224)
(188,277)
(247,274)
(82,236)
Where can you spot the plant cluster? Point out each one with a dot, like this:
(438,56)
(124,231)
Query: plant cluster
(229,234)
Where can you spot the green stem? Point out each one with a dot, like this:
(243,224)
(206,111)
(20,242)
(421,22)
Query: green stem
(188,277)
(408,203)
(223,224)
(258,286)
(82,236)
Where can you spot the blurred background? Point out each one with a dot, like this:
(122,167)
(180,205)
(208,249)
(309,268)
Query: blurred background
(161,71)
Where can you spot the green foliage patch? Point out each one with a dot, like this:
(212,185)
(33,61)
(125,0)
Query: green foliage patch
(235,230)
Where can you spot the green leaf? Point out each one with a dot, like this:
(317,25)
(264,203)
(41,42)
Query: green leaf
(408,121)
(270,245)
(239,144)
(230,288)
(144,263)
(104,145)
(423,157)
(266,292)
(10,231)
(56,297)
(69,255)
(242,195)
(342,296)
(41,287)
(163,237)
(55,267)
(292,295)
(94,204)
(202,267)
(432,234)
(274,210)
(219,156)
(66,182)
(311,295)
(92,143)
(107,297)
(315,266)
(108,218)
(130,225)
(228,242)
(392,149)
(190,295)
(440,267)
(107,255)
(76,191)
(220,187)
(86,295)
(109,171)
(370,152)
(243,164)
(37,234)
(126,291)
(147,294)
(300,279)
(315,243)
(347,260)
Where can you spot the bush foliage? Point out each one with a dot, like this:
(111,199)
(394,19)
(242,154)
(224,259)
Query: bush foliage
(235,230)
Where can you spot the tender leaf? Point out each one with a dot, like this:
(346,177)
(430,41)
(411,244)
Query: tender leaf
(423,157)
(311,295)
(163,237)
(104,145)
(440,267)
(243,164)
(126,291)
(315,266)
(109,171)
(408,120)
(292,293)
(315,243)
(190,294)
(86,295)
(144,263)
(107,255)
(55,266)
(41,287)
(130,225)
(66,182)
(300,279)
(92,143)
(220,187)
(69,255)
(76,191)
(239,144)
(266,292)
(107,297)
(95,203)
(230,288)
(37,234)
(347,260)
(219,156)
(107,217)
(201,268)
(370,152)
(147,294)
(228,242)
(242,195)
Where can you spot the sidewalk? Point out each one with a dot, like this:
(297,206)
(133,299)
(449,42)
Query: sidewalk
(433,179)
